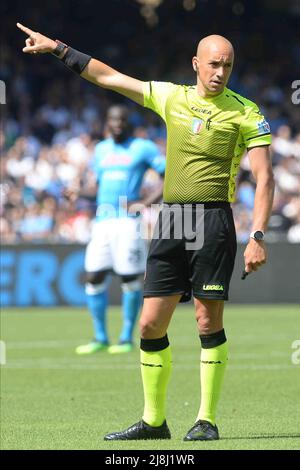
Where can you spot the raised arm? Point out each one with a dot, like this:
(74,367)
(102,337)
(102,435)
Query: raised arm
(95,71)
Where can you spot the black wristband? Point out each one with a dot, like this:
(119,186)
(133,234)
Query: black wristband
(75,60)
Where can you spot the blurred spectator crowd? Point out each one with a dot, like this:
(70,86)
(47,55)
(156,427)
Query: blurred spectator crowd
(53,120)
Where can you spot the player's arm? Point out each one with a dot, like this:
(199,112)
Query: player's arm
(261,167)
(90,69)
(106,77)
(155,195)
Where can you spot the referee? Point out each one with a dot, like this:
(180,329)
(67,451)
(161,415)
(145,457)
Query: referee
(209,128)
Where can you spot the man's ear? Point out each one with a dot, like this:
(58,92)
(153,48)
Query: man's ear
(195,65)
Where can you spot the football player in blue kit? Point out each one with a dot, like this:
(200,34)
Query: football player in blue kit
(116,244)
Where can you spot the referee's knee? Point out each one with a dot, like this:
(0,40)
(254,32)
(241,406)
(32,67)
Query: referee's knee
(150,329)
(209,325)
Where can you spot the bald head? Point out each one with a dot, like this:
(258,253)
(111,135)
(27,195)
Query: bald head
(213,64)
(215,43)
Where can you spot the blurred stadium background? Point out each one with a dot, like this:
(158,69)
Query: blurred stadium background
(49,126)
(53,119)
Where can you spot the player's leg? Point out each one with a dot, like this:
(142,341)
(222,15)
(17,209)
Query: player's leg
(131,304)
(166,282)
(212,267)
(156,367)
(156,361)
(97,301)
(213,361)
(97,265)
(129,260)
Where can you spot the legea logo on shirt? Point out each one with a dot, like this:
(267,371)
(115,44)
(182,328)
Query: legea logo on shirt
(263,127)
(197,125)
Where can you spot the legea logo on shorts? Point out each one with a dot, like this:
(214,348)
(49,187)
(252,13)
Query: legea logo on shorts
(213,287)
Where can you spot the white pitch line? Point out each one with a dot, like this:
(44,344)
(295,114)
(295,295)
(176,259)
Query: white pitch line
(50,364)
(55,344)
(42,344)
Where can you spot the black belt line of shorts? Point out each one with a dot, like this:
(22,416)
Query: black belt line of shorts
(207,204)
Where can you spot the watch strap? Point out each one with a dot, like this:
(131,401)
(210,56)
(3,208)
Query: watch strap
(60,47)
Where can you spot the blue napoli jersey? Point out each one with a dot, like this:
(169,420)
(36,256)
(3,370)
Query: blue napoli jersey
(120,168)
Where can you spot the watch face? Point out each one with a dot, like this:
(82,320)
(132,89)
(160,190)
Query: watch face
(258,235)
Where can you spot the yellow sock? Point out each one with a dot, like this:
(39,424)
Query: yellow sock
(156,371)
(212,367)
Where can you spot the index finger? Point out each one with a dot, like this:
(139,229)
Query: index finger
(26,30)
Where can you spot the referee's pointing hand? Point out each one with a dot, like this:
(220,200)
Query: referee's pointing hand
(36,42)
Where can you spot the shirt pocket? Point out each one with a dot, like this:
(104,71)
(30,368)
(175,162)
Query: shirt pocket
(217,139)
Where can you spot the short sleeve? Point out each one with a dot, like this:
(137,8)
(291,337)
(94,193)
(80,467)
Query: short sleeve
(255,129)
(154,159)
(156,95)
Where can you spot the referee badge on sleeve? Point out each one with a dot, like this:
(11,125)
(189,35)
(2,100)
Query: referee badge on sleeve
(263,127)
(197,125)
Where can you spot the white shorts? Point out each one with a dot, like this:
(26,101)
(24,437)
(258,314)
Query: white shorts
(117,245)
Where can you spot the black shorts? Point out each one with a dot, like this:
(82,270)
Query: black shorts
(199,259)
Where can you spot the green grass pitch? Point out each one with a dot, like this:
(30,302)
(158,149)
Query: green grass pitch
(53,399)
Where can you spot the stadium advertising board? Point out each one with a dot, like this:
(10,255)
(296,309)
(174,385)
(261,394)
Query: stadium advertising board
(42,275)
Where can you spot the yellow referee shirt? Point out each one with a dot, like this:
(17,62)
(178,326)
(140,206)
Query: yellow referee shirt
(207,138)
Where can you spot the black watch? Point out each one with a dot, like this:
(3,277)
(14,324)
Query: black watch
(257,235)
(60,47)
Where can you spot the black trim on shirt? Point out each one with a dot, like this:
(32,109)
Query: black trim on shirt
(260,135)
(233,96)
(257,145)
